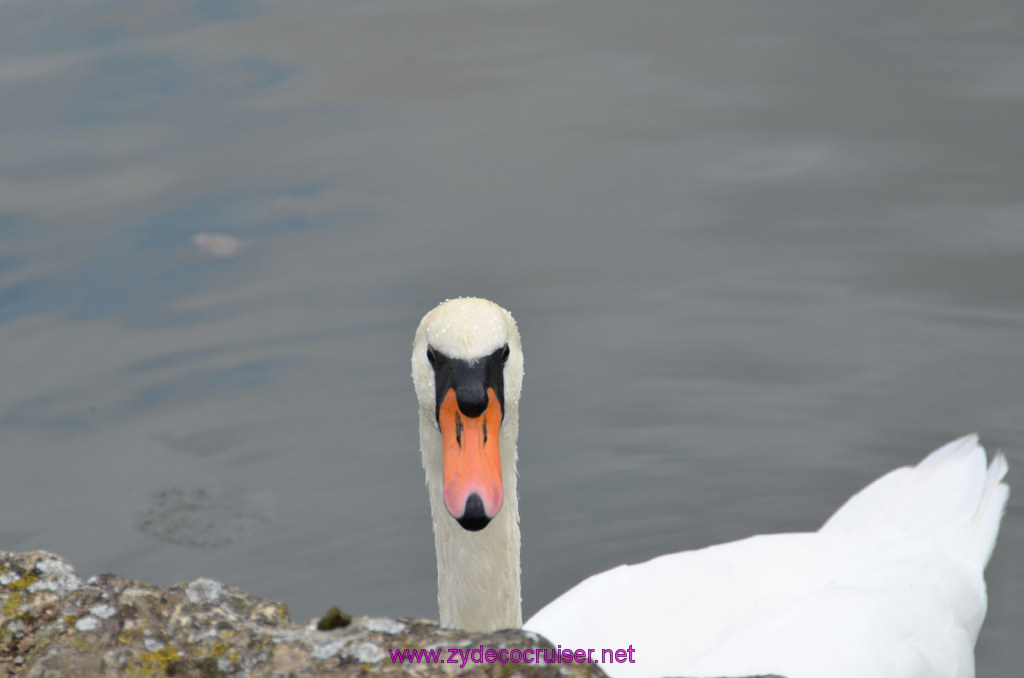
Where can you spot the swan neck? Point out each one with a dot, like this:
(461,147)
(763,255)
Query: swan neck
(478,573)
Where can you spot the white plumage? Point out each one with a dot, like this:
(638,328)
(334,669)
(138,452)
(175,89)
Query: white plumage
(891,585)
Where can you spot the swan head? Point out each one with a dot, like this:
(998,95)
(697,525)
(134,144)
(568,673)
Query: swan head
(467,368)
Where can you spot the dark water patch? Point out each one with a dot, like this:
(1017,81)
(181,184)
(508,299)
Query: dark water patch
(202,517)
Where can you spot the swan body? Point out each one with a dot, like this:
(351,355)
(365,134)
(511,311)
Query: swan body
(891,585)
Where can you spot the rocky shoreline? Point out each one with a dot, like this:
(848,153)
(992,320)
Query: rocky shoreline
(54,624)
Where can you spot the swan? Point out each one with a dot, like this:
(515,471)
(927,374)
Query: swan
(891,585)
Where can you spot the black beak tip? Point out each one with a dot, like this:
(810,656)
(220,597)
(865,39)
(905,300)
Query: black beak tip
(474,518)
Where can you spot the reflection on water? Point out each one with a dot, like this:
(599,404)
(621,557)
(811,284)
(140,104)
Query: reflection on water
(759,255)
(200,517)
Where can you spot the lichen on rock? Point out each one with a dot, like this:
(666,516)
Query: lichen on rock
(52,623)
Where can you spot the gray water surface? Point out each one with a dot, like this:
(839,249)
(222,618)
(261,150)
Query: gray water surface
(760,253)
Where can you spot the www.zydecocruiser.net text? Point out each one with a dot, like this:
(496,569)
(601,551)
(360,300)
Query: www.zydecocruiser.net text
(539,655)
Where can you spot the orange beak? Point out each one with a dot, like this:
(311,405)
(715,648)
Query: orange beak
(471,461)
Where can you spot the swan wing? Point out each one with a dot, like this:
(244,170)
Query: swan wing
(891,585)
(675,609)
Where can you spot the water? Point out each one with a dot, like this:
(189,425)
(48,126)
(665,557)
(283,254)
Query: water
(759,254)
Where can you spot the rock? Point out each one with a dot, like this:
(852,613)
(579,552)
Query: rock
(54,624)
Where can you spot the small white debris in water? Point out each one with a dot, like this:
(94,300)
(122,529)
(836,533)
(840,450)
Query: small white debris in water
(328,650)
(383,625)
(152,644)
(365,651)
(87,623)
(103,610)
(8,578)
(218,245)
(204,591)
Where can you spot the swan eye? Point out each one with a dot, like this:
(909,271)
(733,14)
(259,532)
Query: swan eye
(504,354)
(431,355)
